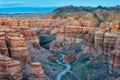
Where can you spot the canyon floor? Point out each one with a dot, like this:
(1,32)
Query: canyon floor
(87,64)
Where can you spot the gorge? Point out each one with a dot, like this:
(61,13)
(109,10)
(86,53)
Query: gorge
(31,47)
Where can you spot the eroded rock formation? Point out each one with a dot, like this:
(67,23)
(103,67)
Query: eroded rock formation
(115,59)
(3,45)
(37,72)
(14,35)
(104,39)
(14,38)
(10,69)
(109,42)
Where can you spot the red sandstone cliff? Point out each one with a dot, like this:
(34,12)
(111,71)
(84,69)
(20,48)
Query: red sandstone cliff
(15,33)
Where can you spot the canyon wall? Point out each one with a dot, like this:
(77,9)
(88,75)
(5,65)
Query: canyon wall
(14,49)
(15,35)
(96,40)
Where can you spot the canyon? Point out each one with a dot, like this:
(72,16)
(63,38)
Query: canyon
(22,56)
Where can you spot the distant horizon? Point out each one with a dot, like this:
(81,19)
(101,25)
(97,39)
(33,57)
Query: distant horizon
(58,6)
(22,9)
(57,3)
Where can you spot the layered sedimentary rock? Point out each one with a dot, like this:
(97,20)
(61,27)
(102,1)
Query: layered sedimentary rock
(103,39)
(99,37)
(76,34)
(3,45)
(14,42)
(18,47)
(25,30)
(13,37)
(115,54)
(10,69)
(88,42)
(37,72)
(92,38)
(23,27)
(109,42)
(70,34)
(35,40)
(117,43)
(16,33)
(115,59)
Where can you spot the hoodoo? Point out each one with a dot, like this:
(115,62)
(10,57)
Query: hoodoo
(9,68)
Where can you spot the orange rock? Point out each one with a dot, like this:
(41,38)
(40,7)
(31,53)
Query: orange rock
(37,71)
(102,27)
(12,67)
